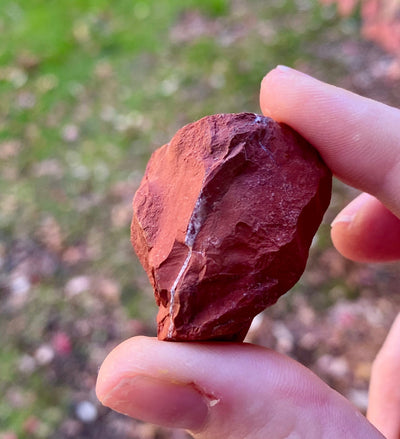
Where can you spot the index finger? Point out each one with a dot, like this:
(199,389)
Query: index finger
(358,138)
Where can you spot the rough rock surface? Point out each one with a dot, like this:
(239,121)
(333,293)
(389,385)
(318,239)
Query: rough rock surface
(223,221)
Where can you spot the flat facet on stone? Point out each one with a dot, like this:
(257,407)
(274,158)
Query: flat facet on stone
(223,221)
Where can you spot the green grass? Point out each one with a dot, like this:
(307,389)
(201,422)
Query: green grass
(29,397)
(78,63)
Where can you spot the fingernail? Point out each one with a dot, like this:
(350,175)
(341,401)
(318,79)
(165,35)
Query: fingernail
(159,402)
(283,69)
(348,214)
(342,219)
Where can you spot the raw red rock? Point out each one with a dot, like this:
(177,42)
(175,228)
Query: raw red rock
(223,221)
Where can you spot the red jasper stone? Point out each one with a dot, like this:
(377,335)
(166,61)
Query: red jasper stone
(223,221)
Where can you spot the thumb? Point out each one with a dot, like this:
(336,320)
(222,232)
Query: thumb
(225,390)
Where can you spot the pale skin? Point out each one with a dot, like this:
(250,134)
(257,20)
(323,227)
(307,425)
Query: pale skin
(236,391)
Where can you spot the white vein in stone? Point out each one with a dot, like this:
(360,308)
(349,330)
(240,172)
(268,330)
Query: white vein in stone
(258,118)
(195,223)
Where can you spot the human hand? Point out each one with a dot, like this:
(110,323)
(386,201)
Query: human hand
(359,139)
(233,390)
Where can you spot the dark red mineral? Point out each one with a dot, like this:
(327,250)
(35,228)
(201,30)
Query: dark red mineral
(223,221)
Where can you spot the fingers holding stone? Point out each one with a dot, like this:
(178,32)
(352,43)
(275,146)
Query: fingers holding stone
(358,138)
(228,390)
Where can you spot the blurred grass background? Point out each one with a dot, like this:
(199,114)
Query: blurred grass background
(88,89)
